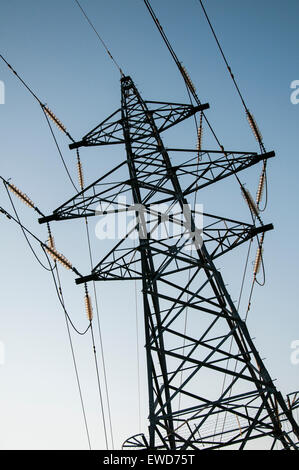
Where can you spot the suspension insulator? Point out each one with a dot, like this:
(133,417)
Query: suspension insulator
(80,174)
(54,119)
(188,80)
(259,256)
(58,256)
(260,188)
(248,198)
(51,242)
(21,195)
(258,260)
(199,137)
(256,132)
(88,307)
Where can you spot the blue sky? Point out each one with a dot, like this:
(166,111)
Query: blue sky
(52,47)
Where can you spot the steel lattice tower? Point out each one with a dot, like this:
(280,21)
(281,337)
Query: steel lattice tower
(207,385)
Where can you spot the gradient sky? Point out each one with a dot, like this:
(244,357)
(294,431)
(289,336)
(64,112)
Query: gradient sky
(52,47)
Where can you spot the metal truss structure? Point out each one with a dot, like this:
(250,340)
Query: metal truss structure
(208,387)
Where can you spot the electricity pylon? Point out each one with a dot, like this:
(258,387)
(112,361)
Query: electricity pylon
(207,385)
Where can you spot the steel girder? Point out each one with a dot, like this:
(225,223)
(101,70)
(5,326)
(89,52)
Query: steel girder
(207,385)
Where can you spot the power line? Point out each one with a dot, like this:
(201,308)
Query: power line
(74,362)
(100,336)
(21,80)
(59,151)
(191,90)
(81,183)
(59,293)
(186,78)
(180,67)
(100,39)
(248,114)
(81,333)
(47,112)
(43,246)
(24,231)
(99,385)
(223,55)
(43,106)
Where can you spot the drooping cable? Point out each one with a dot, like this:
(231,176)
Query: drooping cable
(59,291)
(255,207)
(97,370)
(49,114)
(101,338)
(44,247)
(24,230)
(81,333)
(81,183)
(59,150)
(137,351)
(74,360)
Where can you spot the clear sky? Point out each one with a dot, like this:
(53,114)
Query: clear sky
(52,47)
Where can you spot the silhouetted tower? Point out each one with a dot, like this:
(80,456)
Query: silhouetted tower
(207,385)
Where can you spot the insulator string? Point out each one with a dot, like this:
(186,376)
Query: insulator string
(251,204)
(188,80)
(58,257)
(80,171)
(253,125)
(54,119)
(260,188)
(21,195)
(88,307)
